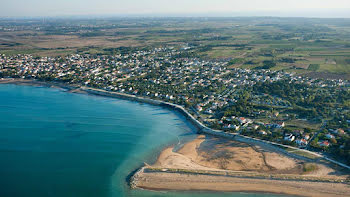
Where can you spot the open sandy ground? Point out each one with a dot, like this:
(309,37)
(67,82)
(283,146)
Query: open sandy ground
(210,153)
(222,155)
(183,182)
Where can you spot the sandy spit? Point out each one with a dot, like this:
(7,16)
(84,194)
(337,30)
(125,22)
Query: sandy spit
(220,155)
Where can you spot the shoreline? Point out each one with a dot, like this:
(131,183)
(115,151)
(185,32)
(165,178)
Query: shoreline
(75,88)
(188,169)
(201,129)
(161,181)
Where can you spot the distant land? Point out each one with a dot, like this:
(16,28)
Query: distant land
(301,45)
(277,88)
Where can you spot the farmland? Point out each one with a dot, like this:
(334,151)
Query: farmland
(313,47)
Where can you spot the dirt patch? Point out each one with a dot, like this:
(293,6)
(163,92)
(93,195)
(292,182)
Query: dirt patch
(324,75)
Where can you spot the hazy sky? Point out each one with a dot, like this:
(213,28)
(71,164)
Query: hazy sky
(321,8)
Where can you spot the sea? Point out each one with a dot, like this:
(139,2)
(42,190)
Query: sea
(59,144)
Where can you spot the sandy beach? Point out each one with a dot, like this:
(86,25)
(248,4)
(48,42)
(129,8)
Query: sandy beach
(215,164)
(183,182)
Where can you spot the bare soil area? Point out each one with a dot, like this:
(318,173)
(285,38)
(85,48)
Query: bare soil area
(210,154)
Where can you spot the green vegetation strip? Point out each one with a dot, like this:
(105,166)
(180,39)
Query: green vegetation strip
(305,154)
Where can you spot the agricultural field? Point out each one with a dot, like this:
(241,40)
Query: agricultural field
(312,47)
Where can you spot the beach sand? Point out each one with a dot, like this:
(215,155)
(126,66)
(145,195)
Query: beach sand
(210,154)
(184,182)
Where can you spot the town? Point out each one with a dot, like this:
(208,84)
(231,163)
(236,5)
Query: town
(277,106)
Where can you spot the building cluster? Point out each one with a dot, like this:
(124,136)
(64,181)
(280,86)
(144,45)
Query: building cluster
(203,86)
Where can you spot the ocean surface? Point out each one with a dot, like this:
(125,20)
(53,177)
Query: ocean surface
(59,144)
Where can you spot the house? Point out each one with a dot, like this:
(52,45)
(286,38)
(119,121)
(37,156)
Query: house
(324,143)
(261,132)
(236,127)
(227,126)
(280,125)
(306,137)
(301,142)
(245,125)
(289,137)
(249,121)
(230,126)
(199,108)
(277,125)
(208,111)
(242,120)
(329,136)
(340,132)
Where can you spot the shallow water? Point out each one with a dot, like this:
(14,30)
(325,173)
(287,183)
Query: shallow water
(54,143)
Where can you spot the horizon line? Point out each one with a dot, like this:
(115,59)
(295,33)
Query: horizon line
(302,13)
(97,16)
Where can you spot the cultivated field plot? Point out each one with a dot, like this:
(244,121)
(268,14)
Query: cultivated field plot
(317,46)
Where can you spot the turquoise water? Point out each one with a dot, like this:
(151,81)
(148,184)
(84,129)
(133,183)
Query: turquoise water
(59,144)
